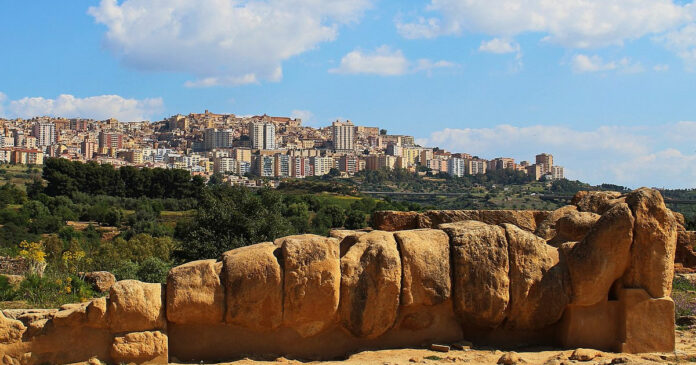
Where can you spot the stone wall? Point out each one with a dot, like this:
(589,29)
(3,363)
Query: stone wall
(14,266)
(596,273)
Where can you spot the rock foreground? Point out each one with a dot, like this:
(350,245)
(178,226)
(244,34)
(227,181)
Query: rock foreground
(595,274)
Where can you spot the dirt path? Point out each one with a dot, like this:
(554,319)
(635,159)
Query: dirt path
(685,353)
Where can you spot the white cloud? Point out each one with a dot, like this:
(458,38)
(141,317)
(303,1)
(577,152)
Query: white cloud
(384,61)
(661,68)
(657,156)
(683,43)
(95,107)
(221,42)
(499,46)
(583,63)
(571,23)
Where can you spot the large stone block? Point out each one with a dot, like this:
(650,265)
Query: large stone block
(575,226)
(597,201)
(11,330)
(539,281)
(195,293)
(150,347)
(312,282)
(481,287)
(596,262)
(654,244)
(546,229)
(394,220)
(370,285)
(135,306)
(649,323)
(254,286)
(425,260)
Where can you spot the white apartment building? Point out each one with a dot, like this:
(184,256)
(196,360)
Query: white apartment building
(456,167)
(343,134)
(262,136)
(45,133)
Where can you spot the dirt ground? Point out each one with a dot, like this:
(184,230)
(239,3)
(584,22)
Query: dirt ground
(685,353)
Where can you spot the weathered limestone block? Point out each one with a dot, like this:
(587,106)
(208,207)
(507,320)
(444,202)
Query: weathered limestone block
(394,220)
(546,229)
(370,285)
(101,281)
(686,249)
(135,306)
(481,283)
(149,347)
(11,330)
(254,286)
(425,260)
(649,325)
(195,293)
(654,244)
(539,282)
(602,257)
(575,226)
(312,282)
(434,218)
(340,234)
(596,201)
(525,219)
(96,313)
(71,316)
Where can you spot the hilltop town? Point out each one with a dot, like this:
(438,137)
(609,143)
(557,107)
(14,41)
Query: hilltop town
(243,148)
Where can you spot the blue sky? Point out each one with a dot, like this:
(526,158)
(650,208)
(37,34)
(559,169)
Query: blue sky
(606,86)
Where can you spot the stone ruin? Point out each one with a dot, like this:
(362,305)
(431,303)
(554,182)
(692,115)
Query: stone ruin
(597,273)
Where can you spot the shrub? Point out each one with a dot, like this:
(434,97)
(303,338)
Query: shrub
(128,270)
(153,270)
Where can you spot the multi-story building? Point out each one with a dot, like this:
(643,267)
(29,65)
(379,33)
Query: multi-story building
(501,163)
(475,166)
(546,162)
(456,167)
(26,156)
(45,133)
(343,136)
(536,171)
(88,149)
(225,165)
(378,162)
(241,154)
(322,165)
(262,135)
(348,164)
(282,165)
(557,172)
(263,165)
(214,138)
(110,140)
(301,167)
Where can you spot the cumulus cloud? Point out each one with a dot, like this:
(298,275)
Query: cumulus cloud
(583,63)
(683,43)
(499,46)
(3,97)
(577,24)
(221,42)
(384,61)
(95,107)
(658,156)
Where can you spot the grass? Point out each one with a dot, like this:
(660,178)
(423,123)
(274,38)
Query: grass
(343,201)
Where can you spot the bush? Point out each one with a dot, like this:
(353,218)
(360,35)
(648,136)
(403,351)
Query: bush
(153,270)
(128,270)
(52,291)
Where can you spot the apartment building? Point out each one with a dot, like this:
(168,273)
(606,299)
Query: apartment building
(343,136)
(45,133)
(262,135)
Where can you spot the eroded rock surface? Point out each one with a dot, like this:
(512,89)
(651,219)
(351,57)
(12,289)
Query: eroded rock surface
(425,259)
(195,293)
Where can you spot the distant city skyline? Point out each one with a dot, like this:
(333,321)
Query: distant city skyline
(612,99)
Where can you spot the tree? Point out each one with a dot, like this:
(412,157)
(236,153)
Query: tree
(355,219)
(383,132)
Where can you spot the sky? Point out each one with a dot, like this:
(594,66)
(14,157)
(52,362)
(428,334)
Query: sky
(607,86)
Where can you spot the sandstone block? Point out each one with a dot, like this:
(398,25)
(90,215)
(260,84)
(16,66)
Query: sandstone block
(195,294)
(254,286)
(96,313)
(11,330)
(72,316)
(481,283)
(370,285)
(312,282)
(149,347)
(546,229)
(575,226)
(525,219)
(394,220)
(340,234)
(434,218)
(596,201)
(649,323)
(539,282)
(135,306)
(425,261)
(654,244)
(101,281)
(602,257)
